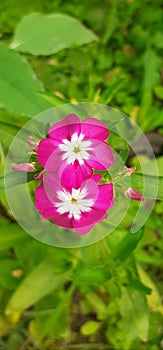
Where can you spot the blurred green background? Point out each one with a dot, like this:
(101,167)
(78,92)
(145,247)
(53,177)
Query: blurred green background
(108,295)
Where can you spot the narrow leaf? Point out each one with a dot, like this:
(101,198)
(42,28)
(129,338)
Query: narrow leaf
(58,321)
(150,59)
(39,283)
(152,182)
(15,178)
(126,246)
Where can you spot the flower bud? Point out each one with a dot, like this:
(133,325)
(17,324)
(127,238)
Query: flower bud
(129,171)
(131,193)
(40,175)
(32,143)
(24,167)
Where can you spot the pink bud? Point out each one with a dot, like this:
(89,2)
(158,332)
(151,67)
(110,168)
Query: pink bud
(40,175)
(24,167)
(129,171)
(32,143)
(133,194)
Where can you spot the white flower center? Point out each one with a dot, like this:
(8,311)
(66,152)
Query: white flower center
(73,204)
(76,149)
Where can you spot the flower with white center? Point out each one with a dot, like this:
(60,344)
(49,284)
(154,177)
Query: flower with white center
(78,209)
(76,149)
(73,203)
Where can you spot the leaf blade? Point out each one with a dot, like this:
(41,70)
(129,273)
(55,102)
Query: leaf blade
(18,84)
(50,34)
(40,282)
(154,184)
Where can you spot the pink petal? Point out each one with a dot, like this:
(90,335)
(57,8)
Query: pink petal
(92,189)
(82,231)
(96,177)
(105,199)
(48,210)
(94,121)
(101,157)
(61,220)
(42,202)
(88,220)
(69,119)
(52,185)
(94,128)
(46,194)
(73,175)
(49,155)
(65,128)
(51,188)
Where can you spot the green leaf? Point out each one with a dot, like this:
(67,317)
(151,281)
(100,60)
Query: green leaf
(135,316)
(151,184)
(149,165)
(2,166)
(153,121)
(9,128)
(40,282)
(90,275)
(39,34)
(52,99)
(135,283)
(126,246)
(10,234)
(15,178)
(7,278)
(97,303)
(59,318)
(154,299)
(158,40)
(111,22)
(151,61)
(112,90)
(18,84)
(146,103)
(124,153)
(90,327)
(6,116)
(159,92)
(5,326)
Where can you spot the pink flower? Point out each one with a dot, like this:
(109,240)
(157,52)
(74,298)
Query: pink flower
(75,148)
(72,208)
(131,193)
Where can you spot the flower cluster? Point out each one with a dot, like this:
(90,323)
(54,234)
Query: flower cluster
(71,194)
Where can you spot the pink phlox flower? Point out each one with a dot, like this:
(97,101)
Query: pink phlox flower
(75,148)
(74,208)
